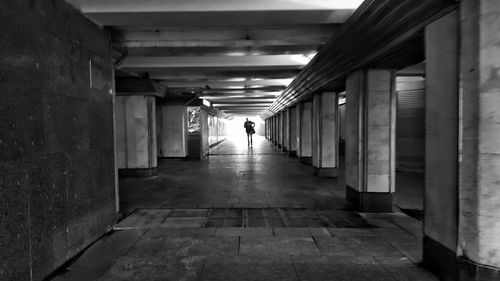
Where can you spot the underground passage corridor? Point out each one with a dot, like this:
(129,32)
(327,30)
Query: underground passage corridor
(248,213)
(126,128)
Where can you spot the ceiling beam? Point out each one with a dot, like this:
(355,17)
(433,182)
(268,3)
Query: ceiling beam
(312,35)
(223,105)
(277,61)
(227,50)
(128,6)
(224,84)
(200,74)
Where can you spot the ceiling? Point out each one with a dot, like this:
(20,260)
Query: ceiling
(240,55)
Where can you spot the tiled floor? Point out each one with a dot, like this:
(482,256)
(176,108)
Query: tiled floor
(248,214)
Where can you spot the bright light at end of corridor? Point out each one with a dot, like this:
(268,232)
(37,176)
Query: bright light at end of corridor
(236,131)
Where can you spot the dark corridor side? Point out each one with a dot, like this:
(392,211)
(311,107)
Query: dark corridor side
(56,137)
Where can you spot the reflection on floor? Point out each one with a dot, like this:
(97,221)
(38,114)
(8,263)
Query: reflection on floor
(248,214)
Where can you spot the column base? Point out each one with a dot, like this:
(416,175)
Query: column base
(445,264)
(279,145)
(138,172)
(369,202)
(439,260)
(292,153)
(305,160)
(471,271)
(325,172)
(284,149)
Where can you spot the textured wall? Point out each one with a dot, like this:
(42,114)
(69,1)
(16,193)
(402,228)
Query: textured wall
(56,137)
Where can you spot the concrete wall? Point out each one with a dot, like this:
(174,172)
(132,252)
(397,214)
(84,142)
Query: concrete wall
(441,183)
(172,135)
(136,132)
(57,184)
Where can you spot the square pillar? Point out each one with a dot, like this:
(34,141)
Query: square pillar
(462,213)
(304,145)
(276,130)
(441,146)
(271,129)
(292,131)
(284,130)
(265,128)
(325,134)
(479,182)
(279,136)
(370,140)
(136,135)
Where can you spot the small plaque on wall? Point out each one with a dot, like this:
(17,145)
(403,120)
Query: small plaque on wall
(95,76)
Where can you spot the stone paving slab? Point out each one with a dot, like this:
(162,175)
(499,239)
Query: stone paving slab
(335,246)
(342,272)
(264,246)
(404,270)
(338,259)
(200,245)
(248,272)
(291,232)
(245,232)
(155,268)
(100,256)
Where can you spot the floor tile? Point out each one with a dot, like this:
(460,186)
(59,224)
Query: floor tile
(278,246)
(248,272)
(155,268)
(342,272)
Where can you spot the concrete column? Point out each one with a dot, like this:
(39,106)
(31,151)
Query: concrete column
(479,219)
(370,139)
(441,145)
(271,123)
(298,113)
(267,128)
(325,134)
(271,131)
(292,132)
(279,136)
(304,151)
(276,130)
(136,135)
(284,128)
(462,215)
(172,131)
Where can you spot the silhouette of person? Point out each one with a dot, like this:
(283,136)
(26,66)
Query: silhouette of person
(249,127)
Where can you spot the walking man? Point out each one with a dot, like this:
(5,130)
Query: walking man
(249,127)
